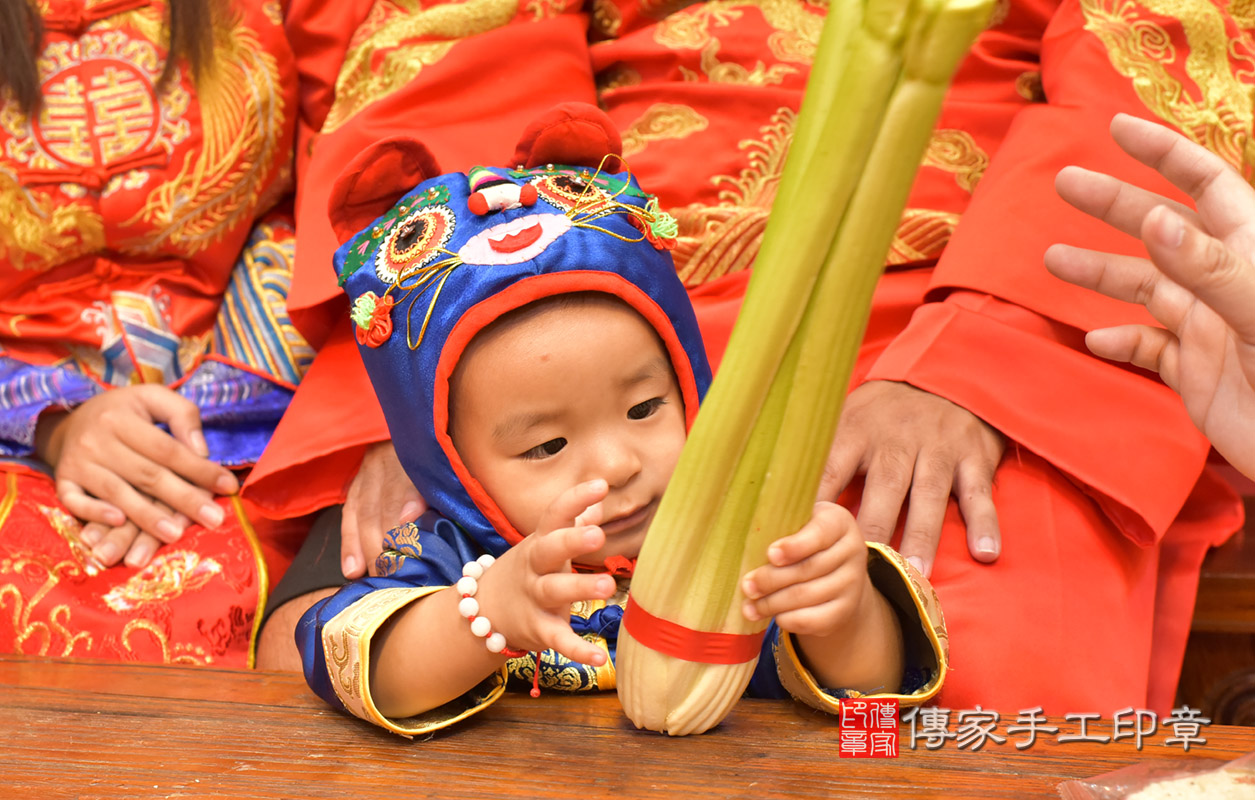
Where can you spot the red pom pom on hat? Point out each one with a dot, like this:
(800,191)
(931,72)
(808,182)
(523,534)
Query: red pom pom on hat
(571,133)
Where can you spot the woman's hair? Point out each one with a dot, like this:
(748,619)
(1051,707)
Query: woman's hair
(189,24)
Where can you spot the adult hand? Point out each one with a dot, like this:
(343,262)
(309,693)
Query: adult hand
(1199,282)
(113,465)
(909,441)
(126,542)
(380,498)
(529,590)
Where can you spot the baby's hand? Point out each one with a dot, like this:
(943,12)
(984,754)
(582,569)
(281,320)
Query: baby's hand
(528,593)
(815,579)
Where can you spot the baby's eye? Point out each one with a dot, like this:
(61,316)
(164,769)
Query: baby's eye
(645,409)
(549,448)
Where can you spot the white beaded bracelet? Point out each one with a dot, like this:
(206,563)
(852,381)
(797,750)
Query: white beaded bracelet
(468,607)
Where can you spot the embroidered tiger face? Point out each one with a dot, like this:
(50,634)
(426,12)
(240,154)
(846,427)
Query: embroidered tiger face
(485,218)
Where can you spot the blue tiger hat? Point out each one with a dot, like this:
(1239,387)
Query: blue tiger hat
(459,250)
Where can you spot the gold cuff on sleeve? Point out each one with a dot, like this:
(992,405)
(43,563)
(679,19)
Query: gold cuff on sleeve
(346,640)
(923,631)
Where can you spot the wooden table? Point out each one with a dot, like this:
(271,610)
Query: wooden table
(96,730)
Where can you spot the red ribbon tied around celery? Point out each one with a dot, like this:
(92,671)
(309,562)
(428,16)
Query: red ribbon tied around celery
(675,640)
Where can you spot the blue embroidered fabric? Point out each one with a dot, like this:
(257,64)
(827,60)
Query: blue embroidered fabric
(239,409)
(431,552)
(26,390)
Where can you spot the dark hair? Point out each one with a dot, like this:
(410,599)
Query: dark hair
(189,24)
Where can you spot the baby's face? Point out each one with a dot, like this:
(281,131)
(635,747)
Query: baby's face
(567,394)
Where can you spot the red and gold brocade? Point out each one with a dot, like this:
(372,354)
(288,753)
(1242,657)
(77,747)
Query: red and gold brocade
(1105,505)
(120,185)
(141,239)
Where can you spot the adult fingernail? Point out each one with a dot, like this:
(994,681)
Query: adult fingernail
(167,531)
(139,555)
(917,562)
(409,511)
(1171,229)
(211,515)
(106,552)
(350,566)
(986,546)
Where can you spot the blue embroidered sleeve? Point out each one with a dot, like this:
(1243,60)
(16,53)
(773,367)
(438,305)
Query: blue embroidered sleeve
(765,682)
(238,410)
(429,553)
(26,390)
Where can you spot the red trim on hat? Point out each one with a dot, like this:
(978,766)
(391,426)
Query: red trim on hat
(675,640)
(538,287)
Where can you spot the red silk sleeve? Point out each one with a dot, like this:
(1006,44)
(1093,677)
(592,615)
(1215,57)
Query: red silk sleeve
(1119,433)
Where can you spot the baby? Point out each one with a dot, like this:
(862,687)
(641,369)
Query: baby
(539,365)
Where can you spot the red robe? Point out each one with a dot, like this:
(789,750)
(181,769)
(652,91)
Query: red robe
(1105,505)
(140,242)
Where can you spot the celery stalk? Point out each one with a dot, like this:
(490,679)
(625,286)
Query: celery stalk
(756,452)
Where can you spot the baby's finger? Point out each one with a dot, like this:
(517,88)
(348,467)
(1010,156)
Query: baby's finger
(86,507)
(561,589)
(768,579)
(829,523)
(565,641)
(593,515)
(554,551)
(570,504)
(816,620)
(824,589)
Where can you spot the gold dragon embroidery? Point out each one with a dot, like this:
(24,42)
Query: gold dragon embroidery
(957,152)
(166,577)
(384,55)
(34,636)
(795,36)
(242,121)
(1216,111)
(170,653)
(718,240)
(41,233)
(607,18)
(728,72)
(661,121)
